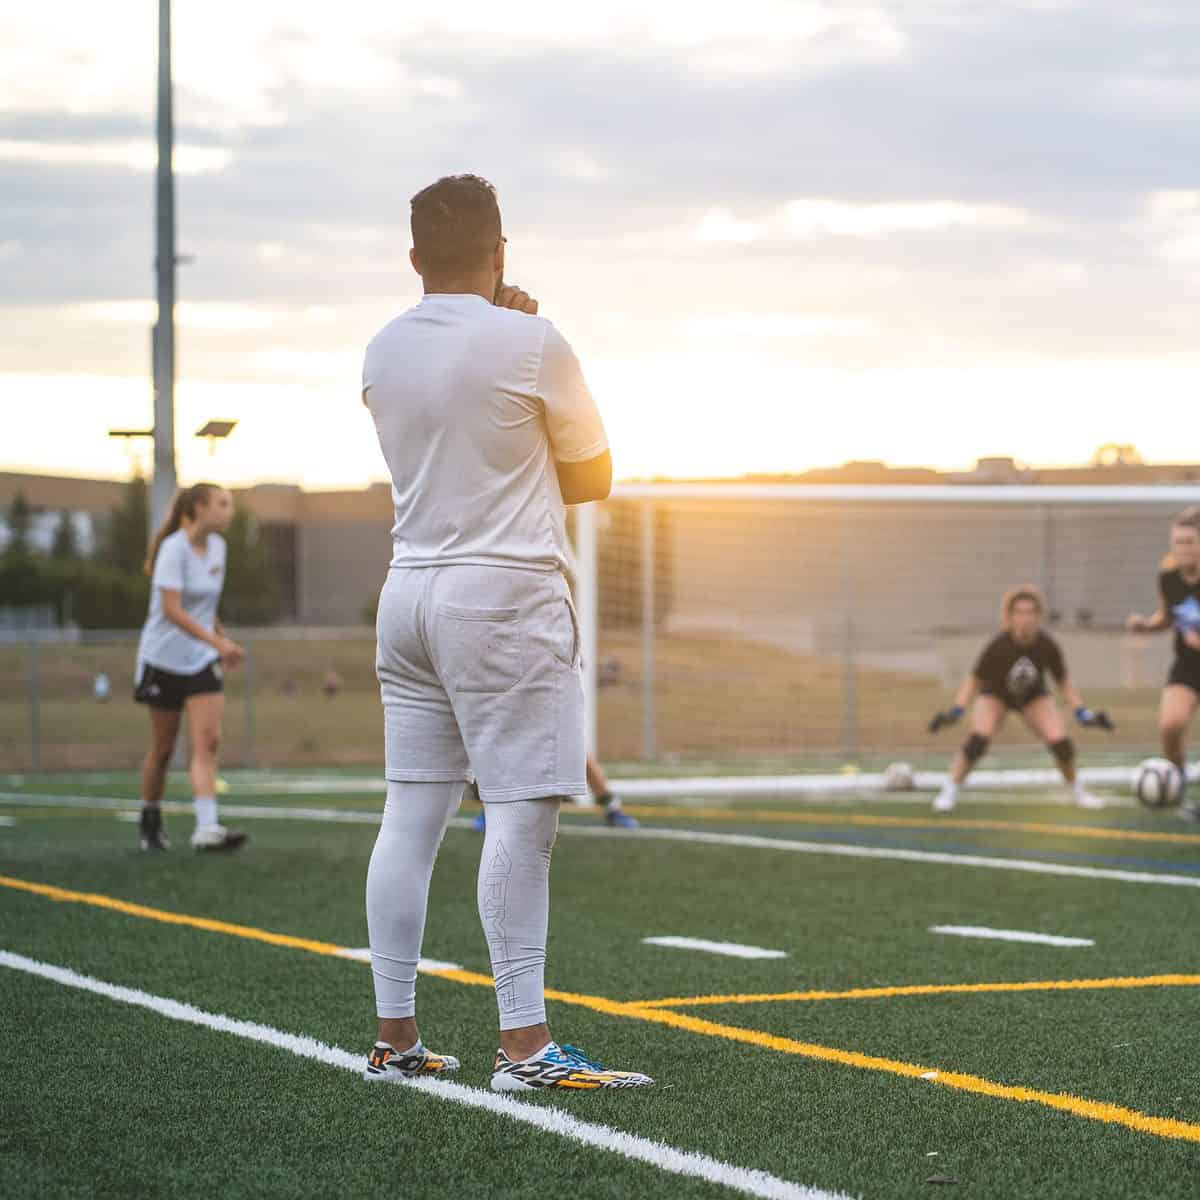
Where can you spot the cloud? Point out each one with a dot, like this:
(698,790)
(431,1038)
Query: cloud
(136,155)
(814,217)
(754,326)
(718,226)
(843,185)
(1172,217)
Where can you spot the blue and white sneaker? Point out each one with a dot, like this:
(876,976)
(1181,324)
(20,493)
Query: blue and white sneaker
(618,818)
(385,1064)
(479,824)
(560,1067)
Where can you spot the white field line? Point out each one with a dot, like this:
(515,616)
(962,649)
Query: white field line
(855,781)
(729,949)
(812,786)
(1009,935)
(549,1120)
(728,785)
(746,841)
(425,964)
(847,850)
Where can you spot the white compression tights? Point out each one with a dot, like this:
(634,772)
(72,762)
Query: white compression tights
(514,904)
(513,893)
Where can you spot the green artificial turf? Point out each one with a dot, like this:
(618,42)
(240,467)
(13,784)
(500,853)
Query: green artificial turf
(100,1098)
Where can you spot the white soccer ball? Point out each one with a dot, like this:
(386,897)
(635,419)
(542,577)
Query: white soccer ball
(1158,783)
(899,777)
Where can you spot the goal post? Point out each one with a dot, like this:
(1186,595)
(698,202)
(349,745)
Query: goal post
(778,628)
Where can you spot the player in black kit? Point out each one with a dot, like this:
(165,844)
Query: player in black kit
(1010,675)
(1179,609)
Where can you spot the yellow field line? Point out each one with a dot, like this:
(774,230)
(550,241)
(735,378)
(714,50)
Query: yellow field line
(1092,1110)
(249,932)
(883,822)
(1112,1114)
(931,989)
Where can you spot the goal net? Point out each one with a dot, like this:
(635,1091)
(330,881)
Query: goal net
(776,628)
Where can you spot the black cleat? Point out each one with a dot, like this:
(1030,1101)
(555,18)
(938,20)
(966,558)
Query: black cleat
(153,835)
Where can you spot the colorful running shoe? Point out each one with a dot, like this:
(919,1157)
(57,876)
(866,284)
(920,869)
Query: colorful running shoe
(385,1064)
(479,824)
(560,1067)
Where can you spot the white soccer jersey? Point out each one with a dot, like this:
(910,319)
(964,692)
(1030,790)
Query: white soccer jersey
(473,405)
(199,578)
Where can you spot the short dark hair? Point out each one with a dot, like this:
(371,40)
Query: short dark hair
(455,223)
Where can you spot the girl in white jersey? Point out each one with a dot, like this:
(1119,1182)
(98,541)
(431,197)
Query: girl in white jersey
(180,660)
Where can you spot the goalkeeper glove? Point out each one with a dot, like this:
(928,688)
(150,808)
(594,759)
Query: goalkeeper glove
(1094,720)
(942,719)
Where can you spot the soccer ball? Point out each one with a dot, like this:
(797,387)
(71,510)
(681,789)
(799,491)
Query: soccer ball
(898,777)
(1158,783)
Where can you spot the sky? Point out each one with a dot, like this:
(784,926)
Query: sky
(780,234)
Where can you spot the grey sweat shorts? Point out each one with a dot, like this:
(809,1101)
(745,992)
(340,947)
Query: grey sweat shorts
(479,670)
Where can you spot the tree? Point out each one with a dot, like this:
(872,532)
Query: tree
(66,541)
(251,589)
(128,531)
(20,515)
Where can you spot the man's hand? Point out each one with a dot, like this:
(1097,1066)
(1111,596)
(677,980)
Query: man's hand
(232,655)
(511,296)
(1191,638)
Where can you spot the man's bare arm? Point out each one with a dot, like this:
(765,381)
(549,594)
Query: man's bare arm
(583,481)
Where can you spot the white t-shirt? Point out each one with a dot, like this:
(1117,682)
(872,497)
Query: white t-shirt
(473,405)
(199,579)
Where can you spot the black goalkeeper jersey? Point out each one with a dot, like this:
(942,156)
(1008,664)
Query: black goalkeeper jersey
(1017,673)
(1181,600)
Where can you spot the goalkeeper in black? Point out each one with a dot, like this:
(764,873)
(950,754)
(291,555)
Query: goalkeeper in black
(1010,676)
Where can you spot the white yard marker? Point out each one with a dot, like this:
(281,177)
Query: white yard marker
(729,949)
(549,1120)
(426,964)
(1009,935)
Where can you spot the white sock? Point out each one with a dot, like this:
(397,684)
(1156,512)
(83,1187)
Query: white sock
(414,822)
(1077,788)
(514,904)
(413,1049)
(551,1045)
(206,811)
(950,788)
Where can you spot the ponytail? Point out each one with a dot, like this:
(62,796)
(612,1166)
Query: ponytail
(184,505)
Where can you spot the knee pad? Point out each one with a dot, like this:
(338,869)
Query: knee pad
(975,747)
(1063,751)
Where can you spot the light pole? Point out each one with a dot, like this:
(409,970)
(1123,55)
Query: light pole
(162,489)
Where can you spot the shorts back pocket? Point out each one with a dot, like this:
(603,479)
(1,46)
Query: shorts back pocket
(479,648)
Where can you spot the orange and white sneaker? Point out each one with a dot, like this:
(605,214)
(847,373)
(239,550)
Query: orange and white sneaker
(385,1064)
(565,1067)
